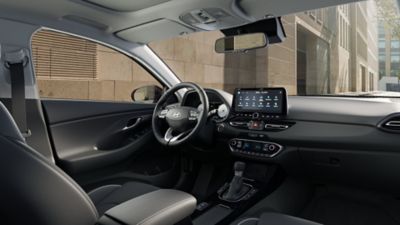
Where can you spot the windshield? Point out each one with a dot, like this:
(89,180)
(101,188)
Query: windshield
(349,50)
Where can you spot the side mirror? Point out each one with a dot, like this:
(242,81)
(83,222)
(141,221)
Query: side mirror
(147,94)
(241,43)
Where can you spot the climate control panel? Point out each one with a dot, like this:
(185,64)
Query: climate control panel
(254,147)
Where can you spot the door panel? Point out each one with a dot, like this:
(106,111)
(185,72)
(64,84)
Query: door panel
(69,110)
(91,135)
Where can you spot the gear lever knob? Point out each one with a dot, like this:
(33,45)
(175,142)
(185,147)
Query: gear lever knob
(239,168)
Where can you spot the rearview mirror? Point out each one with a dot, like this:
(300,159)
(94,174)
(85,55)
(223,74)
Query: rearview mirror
(241,43)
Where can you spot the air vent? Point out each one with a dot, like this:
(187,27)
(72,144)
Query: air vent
(391,123)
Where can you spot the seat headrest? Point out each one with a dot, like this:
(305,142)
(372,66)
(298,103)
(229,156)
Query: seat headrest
(8,127)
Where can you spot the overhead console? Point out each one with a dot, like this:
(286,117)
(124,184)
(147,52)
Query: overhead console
(260,109)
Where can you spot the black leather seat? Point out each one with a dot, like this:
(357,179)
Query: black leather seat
(106,197)
(271,218)
(35,191)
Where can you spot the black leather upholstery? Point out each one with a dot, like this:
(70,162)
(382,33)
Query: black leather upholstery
(109,196)
(35,191)
(8,127)
(271,218)
(161,207)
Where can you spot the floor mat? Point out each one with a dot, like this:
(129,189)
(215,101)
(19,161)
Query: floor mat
(351,207)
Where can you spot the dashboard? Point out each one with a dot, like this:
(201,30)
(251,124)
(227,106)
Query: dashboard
(343,139)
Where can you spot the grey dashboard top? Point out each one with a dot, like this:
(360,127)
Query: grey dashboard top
(365,111)
(348,110)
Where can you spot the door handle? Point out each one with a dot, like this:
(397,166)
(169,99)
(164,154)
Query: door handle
(132,124)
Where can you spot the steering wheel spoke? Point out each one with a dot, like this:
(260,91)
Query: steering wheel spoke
(170,138)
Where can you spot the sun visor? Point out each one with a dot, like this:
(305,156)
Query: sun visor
(126,6)
(156,30)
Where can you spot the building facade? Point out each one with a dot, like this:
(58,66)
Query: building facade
(389,53)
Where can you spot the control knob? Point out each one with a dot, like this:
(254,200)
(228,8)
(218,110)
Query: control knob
(272,148)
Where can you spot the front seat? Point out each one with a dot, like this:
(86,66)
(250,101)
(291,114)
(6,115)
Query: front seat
(35,191)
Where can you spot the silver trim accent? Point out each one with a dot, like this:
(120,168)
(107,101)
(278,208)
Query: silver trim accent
(237,124)
(138,120)
(393,123)
(247,220)
(280,148)
(276,126)
(268,126)
(169,138)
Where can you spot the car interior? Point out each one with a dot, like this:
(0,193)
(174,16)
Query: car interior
(182,152)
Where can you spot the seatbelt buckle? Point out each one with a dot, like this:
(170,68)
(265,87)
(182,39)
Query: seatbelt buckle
(20,56)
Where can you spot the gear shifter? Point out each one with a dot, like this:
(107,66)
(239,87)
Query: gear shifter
(236,188)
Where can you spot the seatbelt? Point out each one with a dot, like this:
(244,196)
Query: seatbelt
(15,62)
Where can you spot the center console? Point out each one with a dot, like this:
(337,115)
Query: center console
(254,112)
(249,183)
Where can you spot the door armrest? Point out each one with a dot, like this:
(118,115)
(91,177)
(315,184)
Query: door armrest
(161,207)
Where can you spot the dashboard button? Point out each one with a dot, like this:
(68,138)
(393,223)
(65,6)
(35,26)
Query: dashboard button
(253,135)
(239,144)
(256,115)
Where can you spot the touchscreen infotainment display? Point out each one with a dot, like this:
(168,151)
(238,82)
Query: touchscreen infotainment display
(262,100)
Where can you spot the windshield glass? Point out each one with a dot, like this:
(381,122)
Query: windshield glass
(349,50)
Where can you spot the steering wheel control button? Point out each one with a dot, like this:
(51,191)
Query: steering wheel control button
(254,148)
(163,114)
(193,115)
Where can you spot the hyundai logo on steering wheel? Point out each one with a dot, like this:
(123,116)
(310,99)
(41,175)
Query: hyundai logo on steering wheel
(176,115)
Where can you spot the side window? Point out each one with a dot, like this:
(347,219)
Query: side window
(69,67)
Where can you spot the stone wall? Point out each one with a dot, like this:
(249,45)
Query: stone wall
(192,58)
(72,68)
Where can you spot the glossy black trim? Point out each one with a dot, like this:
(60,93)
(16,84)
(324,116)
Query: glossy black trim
(284,101)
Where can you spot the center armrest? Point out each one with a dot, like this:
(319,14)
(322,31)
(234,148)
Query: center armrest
(161,207)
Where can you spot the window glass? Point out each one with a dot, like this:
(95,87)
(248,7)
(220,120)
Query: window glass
(395,44)
(341,50)
(381,43)
(69,67)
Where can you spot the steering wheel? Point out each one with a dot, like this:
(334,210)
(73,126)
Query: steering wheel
(183,122)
